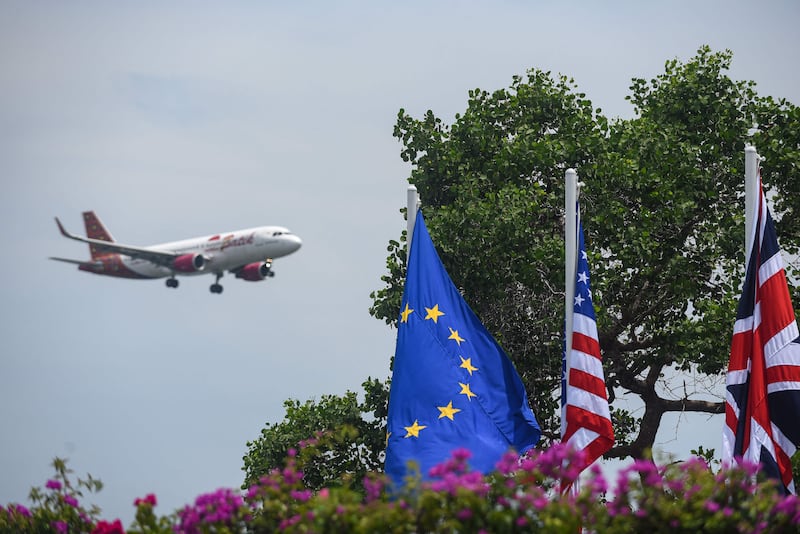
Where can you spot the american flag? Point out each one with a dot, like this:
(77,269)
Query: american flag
(585,418)
(762,401)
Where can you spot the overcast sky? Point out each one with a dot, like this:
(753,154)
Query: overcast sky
(180,119)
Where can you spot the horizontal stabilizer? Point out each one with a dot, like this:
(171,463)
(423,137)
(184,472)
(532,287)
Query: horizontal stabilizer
(76,262)
(159,257)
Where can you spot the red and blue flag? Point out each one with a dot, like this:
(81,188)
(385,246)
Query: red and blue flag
(762,402)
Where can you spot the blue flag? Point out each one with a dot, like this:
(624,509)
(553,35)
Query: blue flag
(453,387)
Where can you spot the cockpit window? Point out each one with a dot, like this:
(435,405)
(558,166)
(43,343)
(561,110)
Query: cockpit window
(280,232)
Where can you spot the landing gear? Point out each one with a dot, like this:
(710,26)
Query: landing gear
(216,287)
(172,282)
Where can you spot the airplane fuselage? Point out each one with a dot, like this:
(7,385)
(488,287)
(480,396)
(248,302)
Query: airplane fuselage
(224,252)
(247,254)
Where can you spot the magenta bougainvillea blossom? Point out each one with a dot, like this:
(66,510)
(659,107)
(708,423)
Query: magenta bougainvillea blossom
(523,494)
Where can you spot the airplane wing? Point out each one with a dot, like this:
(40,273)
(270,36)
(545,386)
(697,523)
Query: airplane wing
(155,256)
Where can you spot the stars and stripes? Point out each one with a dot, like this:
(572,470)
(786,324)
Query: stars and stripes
(762,402)
(585,417)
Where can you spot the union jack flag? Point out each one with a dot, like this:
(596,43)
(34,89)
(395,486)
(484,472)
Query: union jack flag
(585,418)
(762,401)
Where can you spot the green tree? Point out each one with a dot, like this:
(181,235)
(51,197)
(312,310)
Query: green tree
(350,434)
(662,210)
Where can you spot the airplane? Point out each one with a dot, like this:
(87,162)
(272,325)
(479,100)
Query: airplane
(247,254)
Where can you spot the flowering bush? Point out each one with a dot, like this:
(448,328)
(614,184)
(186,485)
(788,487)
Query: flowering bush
(223,510)
(56,508)
(522,495)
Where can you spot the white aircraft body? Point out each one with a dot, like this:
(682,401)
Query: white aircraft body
(248,254)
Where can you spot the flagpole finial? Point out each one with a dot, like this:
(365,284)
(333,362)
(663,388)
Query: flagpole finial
(751,195)
(412,206)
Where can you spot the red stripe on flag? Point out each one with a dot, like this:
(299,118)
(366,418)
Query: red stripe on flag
(597,448)
(741,345)
(783,373)
(784,465)
(585,344)
(587,382)
(580,418)
(731,421)
(779,312)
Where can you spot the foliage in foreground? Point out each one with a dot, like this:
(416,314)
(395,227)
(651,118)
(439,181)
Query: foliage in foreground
(357,449)
(520,496)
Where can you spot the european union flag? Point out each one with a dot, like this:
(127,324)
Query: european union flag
(453,387)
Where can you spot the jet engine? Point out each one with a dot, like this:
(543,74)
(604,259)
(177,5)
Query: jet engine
(254,272)
(189,263)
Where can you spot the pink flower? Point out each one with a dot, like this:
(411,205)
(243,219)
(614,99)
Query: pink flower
(373,486)
(541,503)
(104,527)
(219,507)
(253,491)
(508,463)
(18,509)
(461,455)
(149,499)
(70,500)
(712,506)
(53,485)
(59,526)
(286,523)
(300,495)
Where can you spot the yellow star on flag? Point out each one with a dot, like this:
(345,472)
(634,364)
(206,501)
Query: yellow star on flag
(405,313)
(467,364)
(455,337)
(414,429)
(434,313)
(466,391)
(448,411)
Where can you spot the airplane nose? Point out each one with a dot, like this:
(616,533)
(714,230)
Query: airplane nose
(295,242)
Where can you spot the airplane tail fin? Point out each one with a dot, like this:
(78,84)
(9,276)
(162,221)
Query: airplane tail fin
(96,230)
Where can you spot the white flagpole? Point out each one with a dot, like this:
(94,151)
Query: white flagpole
(412,204)
(570,262)
(751,197)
